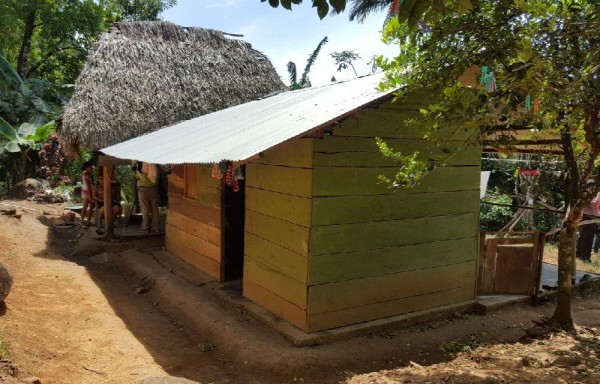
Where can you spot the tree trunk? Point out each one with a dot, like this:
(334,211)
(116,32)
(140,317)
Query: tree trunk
(566,257)
(23,59)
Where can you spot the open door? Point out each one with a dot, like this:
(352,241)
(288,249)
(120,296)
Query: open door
(234,218)
(510,263)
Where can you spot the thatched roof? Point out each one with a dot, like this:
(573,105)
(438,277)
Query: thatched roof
(146,75)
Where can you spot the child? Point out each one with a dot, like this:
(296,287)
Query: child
(86,194)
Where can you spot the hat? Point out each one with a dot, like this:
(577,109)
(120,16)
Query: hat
(590,182)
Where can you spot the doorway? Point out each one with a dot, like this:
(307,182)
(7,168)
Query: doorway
(234,218)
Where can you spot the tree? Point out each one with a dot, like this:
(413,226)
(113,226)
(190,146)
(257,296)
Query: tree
(323,6)
(407,10)
(50,39)
(538,68)
(136,10)
(304,80)
(27,111)
(344,59)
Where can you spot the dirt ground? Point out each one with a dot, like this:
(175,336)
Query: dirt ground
(66,321)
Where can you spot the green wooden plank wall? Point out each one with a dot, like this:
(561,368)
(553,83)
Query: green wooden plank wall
(374,252)
(277,227)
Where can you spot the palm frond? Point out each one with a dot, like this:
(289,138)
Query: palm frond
(362,8)
(311,60)
(291,68)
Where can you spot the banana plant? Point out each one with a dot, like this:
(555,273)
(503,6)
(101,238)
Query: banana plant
(34,101)
(30,135)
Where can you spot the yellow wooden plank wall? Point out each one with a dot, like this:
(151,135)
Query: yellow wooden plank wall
(277,229)
(194,225)
(373,252)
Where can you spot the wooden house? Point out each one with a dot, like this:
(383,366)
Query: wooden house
(314,235)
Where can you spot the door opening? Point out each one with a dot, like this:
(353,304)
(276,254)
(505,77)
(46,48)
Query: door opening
(234,215)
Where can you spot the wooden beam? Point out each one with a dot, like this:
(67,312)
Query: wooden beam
(521,150)
(528,142)
(108,223)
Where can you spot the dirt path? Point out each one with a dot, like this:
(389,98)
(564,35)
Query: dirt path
(64,325)
(70,321)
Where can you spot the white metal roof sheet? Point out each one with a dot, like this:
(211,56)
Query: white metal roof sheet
(242,131)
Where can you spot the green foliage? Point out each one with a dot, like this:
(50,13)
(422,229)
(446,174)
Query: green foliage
(494,217)
(50,39)
(344,59)
(73,168)
(126,177)
(322,6)
(304,80)
(136,10)
(520,42)
(410,170)
(4,349)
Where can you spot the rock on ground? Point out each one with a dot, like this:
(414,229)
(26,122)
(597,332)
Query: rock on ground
(27,188)
(6,281)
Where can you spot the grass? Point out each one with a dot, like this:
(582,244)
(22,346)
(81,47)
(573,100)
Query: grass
(3,349)
(551,257)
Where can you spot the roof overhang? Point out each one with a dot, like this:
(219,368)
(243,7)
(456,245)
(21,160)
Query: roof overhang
(245,130)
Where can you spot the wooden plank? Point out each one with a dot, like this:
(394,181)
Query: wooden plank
(194,227)
(208,196)
(294,209)
(178,171)
(192,257)
(281,285)
(360,209)
(190,181)
(392,124)
(335,151)
(175,180)
(194,243)
(291,181)
(288,235)
(349,181)
(276,304)
(276,257)
(539,240)
(413,102)
(489,266)
(377,262)
(175,187)
(392,233)
(327,320)
(513,269)
(195,211)
(480,263)
(376,289)
(293,153)
(204,178)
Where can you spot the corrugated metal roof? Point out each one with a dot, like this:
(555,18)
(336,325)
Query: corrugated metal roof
(240,132)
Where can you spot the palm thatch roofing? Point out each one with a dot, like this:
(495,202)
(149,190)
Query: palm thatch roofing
(143,76)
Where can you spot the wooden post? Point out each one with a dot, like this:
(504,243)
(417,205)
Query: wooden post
(108,220)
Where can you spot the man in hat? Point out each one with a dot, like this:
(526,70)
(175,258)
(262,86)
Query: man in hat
(587,231)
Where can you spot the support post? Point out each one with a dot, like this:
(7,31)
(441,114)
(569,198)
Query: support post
(108,219)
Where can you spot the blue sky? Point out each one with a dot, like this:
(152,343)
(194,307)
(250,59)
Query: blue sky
(288,36)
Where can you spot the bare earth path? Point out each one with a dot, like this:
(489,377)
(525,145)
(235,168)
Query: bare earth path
(66,321)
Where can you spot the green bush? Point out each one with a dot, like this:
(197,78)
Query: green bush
(493,217)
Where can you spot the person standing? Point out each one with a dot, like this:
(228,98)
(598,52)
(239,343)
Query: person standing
(87,200)
(147,176)
(587,231)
